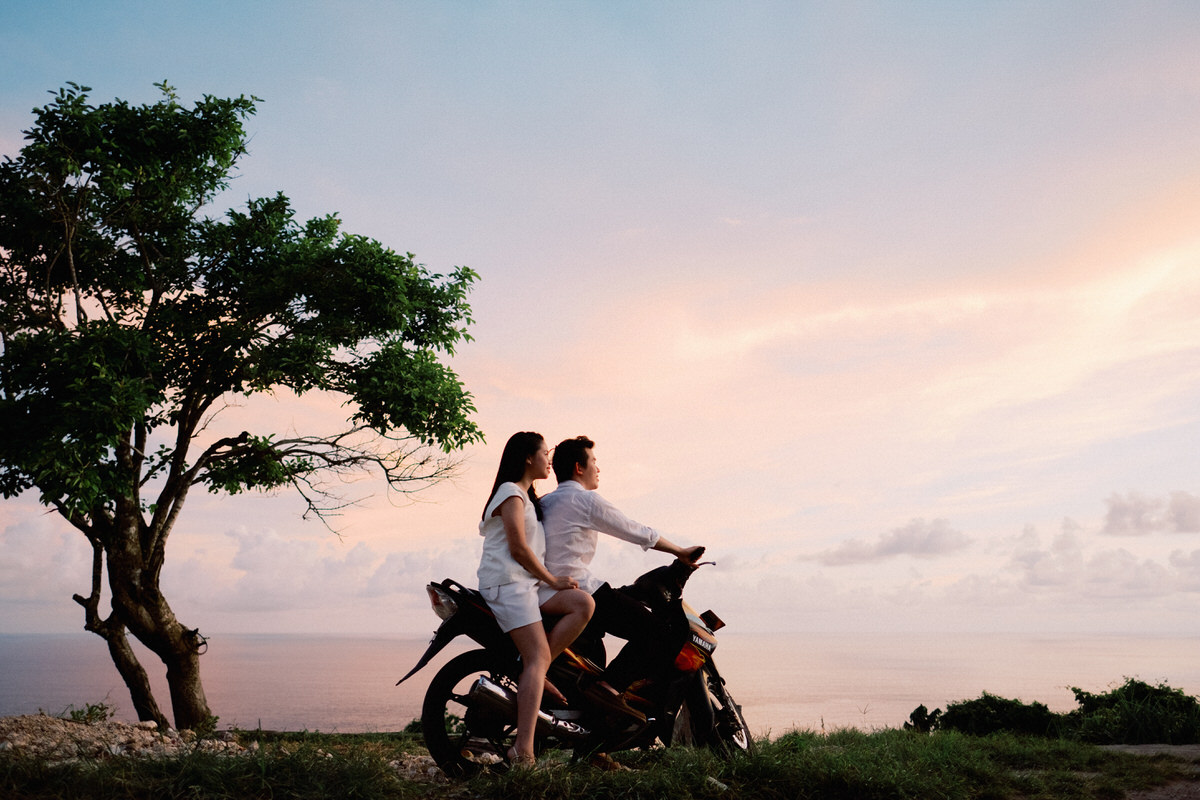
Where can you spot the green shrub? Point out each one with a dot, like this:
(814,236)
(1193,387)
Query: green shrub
(992,714)
(1133,713)
(208,728)
(1136,713)
(922,720)
(91,712)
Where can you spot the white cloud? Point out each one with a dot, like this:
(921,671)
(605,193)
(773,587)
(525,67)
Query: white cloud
(43,559)
(1132,514)
(1070,567)
(1188,568)
(269,572)
(1183,512)
(1135,514)
(919,538)
(1059,565)
(1121,574)
(43,563)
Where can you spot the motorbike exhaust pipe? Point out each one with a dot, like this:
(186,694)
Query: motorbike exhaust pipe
(504,701)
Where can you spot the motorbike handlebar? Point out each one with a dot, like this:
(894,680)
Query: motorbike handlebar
(696,554)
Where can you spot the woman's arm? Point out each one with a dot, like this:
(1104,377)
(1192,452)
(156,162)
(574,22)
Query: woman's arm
(512,512)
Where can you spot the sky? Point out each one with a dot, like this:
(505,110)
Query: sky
(892,306)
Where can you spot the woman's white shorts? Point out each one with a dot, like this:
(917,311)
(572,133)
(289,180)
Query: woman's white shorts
(514,604)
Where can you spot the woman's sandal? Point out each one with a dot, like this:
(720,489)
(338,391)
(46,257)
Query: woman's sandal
(519,761)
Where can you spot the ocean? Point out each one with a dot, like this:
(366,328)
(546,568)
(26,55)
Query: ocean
(783,681)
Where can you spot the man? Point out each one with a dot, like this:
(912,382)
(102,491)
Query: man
(574,516)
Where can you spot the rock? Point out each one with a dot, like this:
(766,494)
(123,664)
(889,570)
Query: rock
(418,768)
(57,739)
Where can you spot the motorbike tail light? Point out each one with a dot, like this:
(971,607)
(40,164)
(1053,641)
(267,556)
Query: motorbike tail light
(713,622)
(443,604)
(690,658)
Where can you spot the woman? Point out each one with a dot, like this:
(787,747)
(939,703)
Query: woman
(509,572)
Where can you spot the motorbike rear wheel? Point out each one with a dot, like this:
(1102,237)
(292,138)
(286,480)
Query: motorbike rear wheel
(462,737)
(710,717)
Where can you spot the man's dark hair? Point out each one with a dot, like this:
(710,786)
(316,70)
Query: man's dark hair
(569,453)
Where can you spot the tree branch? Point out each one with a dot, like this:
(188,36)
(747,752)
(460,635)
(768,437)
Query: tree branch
(91,603)
(405,465)
(174,492)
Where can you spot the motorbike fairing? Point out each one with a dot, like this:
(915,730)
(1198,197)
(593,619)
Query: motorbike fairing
(472,618)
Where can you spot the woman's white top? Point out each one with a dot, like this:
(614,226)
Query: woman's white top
(497,566)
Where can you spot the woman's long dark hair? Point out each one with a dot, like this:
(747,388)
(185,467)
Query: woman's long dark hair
(519,447)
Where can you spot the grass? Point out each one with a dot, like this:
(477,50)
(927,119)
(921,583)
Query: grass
(293,765)
(892,764)
(990,748)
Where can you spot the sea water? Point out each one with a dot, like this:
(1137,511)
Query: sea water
(783,681)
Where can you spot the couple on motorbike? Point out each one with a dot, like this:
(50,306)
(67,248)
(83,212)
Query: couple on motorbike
(536,553)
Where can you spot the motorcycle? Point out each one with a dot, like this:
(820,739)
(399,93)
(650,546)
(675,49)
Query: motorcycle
(469,713)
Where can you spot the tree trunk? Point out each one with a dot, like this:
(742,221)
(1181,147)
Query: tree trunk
(179,649)
(140,605)
(112,630)
(187,692)
(135,678)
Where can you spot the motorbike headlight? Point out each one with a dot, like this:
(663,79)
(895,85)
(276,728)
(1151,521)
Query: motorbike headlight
(443,604)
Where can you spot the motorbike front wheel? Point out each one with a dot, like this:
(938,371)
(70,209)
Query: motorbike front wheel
(709,717)
(464,737)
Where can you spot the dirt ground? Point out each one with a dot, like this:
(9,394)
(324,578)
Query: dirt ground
(1180,790)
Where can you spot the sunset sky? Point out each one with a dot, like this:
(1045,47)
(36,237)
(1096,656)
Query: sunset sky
(894,306)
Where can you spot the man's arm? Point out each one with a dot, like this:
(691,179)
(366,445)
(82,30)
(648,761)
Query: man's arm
(601,515)
(607,518)
(688,554)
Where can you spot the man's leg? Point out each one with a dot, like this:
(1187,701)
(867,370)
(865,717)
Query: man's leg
(650,643)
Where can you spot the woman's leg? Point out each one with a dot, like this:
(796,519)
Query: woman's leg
(535,660)
(574,608)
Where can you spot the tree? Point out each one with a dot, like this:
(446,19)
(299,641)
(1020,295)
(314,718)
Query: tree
(129,319)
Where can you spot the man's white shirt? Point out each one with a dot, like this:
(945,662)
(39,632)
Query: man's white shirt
(573,518)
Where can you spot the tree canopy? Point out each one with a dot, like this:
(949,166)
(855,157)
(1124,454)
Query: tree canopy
(130,314)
